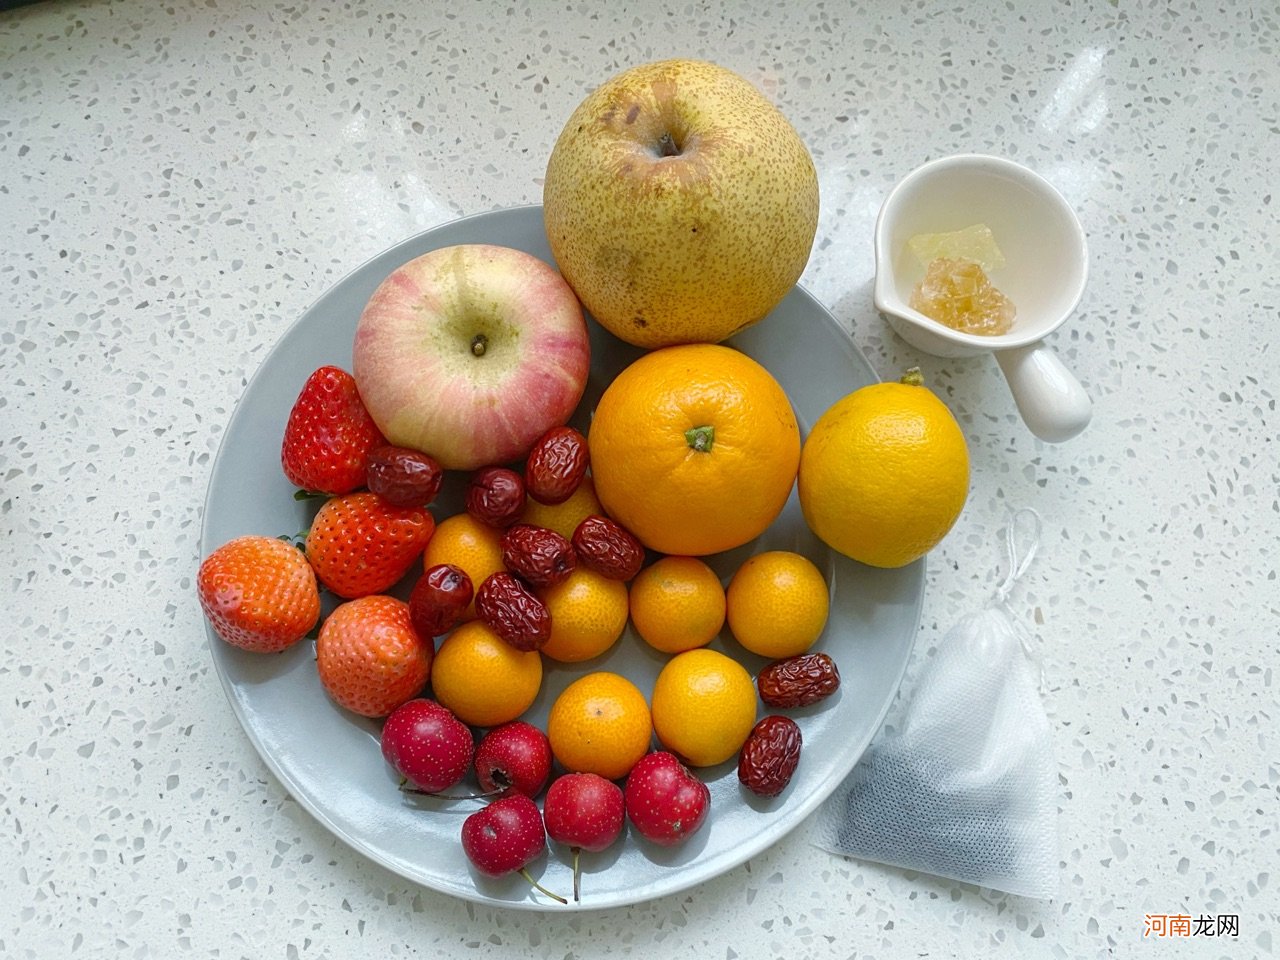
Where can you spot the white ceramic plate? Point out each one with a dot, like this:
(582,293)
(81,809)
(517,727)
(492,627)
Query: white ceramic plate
(330,761)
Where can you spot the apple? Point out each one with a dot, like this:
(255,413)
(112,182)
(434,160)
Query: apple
(665,802)
(506,836)
(427,745)
(679,203)
(470,353)
(586,812)
(515,756)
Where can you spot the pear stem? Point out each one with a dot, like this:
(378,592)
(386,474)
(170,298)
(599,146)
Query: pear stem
(524,872)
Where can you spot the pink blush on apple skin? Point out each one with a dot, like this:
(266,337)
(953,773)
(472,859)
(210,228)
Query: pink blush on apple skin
(470,353)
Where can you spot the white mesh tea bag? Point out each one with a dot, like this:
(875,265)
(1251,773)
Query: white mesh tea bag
(964,786)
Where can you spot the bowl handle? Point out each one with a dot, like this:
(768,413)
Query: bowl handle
(1052,402)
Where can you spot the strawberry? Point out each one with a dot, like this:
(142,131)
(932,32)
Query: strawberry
(359,544)
(259,593)
(370,658)
(329,435)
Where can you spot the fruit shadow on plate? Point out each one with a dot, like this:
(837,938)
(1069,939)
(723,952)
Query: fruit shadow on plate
(256,669)
(593,862)
(679,854)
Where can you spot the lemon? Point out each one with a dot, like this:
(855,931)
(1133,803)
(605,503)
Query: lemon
(884,473)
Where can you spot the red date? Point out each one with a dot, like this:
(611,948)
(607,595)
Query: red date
(608,548)
(439,599)
(541,556)
(556,465)
(770,756)
(495,496)
(798,681)
(403,477)
(512,611)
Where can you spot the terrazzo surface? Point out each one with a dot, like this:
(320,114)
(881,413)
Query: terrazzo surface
(178,182)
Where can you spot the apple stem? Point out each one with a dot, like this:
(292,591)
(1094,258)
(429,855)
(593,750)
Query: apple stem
(577,874)
(667,146)
(452,796)
(478,344)
(524,872)
(700,438)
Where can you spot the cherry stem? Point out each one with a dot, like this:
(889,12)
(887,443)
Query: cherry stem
(577,874)
(524,872)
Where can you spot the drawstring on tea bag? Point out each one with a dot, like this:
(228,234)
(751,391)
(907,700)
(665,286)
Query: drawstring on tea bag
(1022,546)
(1021,540)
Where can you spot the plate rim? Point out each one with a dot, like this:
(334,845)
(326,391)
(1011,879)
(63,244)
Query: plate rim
(680,881)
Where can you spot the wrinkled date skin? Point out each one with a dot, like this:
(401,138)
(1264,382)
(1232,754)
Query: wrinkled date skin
(495,496)
(439,599)
(770,756)
(403,477)
(556,465)
(798,681)
(608,548)
(512,611)
(541,556)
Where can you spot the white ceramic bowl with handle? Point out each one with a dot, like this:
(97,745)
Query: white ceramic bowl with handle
(1047,265)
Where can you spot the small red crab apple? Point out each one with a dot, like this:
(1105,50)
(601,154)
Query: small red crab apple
(586,812)
(666,803)
(427,745)
(517,756)
(506,836)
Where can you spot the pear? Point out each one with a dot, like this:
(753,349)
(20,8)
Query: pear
(680,204)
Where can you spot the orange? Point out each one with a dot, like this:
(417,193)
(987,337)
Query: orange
(885,473)
(777,604)
(467,543)
(694,449)
(564,517)
(704,705)
(588,615)
(677,604)
(600,724)
(483,679)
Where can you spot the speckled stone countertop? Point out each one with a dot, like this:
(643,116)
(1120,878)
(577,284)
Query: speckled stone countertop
(179,181)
